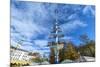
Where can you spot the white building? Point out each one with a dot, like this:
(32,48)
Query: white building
(19,56)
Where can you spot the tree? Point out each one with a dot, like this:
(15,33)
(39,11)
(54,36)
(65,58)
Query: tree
(70,52)
(52,56)
(61,55)
(87,48)
(37,60)
(84,38)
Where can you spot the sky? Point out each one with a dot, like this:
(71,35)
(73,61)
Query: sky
(31,23)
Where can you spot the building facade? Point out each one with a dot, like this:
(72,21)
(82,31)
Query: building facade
(19,56)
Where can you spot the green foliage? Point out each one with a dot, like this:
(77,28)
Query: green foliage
(84,38)
(70,52)
(88,49)
(52,58)
(37,60)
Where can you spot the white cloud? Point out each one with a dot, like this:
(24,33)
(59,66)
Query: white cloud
(25,23)
(72,25)
(72,16)
(28,47)
(89,10)
(67,38)
(30,23)
(41,43)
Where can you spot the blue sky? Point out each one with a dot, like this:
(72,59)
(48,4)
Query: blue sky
(32,23)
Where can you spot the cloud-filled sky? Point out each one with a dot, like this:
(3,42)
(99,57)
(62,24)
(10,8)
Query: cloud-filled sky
(33,21)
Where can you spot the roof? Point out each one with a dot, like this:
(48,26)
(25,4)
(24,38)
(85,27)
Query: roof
(18,49)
